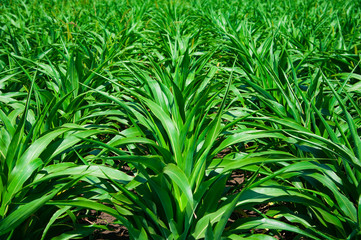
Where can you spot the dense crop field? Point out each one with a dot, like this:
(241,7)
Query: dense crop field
(197,119)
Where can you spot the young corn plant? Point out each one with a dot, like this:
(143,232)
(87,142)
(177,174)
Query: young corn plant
(297,97)
(25,151)
(147,110)
(179,190)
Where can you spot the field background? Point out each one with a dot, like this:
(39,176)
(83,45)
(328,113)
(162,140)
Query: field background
(204,119)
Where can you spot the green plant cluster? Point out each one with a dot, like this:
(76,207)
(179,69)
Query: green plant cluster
(197,119)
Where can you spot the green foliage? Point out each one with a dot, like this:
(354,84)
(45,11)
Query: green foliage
(150,111)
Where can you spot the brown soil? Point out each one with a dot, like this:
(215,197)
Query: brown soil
(116,232)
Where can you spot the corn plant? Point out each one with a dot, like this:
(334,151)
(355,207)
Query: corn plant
(148,110)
